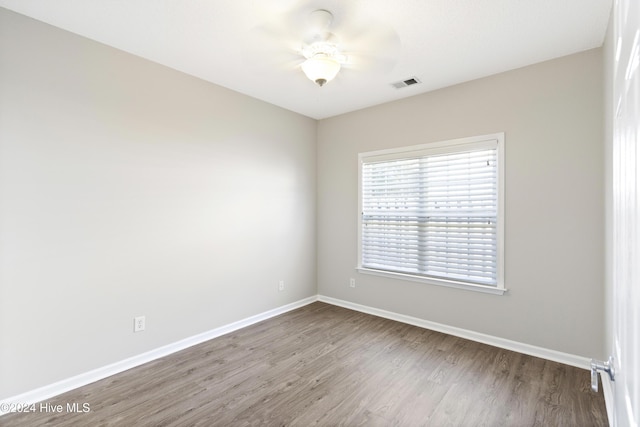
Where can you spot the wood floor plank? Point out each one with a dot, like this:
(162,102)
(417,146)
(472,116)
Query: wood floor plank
(328,366)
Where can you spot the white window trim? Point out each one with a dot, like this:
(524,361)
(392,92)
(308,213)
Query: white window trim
(430,149)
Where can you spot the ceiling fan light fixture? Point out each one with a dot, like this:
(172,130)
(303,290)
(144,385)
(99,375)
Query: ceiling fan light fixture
(321,68)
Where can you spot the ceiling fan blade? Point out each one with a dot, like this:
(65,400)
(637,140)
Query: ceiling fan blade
(374,47)
(266,47)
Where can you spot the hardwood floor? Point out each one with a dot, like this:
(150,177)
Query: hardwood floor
(327,366)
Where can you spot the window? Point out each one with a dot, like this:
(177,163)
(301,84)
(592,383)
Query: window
(434,213)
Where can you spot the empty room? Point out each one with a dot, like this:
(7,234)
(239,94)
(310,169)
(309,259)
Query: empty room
(322,212)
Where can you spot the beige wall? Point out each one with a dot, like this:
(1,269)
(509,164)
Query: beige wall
(128,189)
(552,116)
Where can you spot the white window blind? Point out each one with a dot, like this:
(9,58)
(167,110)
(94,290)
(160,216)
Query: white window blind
(433,213)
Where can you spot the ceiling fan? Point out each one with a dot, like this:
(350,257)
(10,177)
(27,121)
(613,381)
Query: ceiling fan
(323,56)
(321,43)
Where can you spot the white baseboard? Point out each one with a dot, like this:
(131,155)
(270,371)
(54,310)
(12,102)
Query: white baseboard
(51,390)
(544,353)
(607,390)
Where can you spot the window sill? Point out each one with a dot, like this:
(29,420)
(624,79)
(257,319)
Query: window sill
(447,283)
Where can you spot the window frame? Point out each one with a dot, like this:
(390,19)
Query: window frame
(435,148)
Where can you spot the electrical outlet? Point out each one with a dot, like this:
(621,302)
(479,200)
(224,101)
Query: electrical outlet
(281,285)
(352,283)
(139,324)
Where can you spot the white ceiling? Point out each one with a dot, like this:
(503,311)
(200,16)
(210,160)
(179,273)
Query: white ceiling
(236,43)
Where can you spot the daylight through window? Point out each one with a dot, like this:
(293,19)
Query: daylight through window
(434,212)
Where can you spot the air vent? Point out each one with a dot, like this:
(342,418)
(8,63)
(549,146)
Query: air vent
(404,83)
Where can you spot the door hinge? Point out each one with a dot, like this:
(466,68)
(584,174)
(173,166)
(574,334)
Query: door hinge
(598,365)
